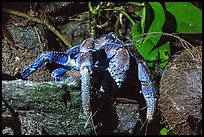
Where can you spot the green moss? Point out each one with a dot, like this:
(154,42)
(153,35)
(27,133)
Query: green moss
(45,102)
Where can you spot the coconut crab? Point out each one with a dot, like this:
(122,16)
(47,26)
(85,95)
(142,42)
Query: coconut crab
(87,58)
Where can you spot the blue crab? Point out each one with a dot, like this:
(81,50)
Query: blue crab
(86,58)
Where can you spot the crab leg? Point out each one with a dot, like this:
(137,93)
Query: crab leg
(119,65)
(74,50)
(56,74)
(56,57)
(148,90)
(61,58)
(86,61)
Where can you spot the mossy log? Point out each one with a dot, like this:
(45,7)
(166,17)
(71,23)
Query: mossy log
(41,107)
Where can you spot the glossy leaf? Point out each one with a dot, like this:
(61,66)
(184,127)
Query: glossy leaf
(148,47)
(157,22)
(188,17)
(137,34)
(161,53)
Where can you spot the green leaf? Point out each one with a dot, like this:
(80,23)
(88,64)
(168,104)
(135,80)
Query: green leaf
(163,131)
(152,40)
(164,52)
(188,17)
(145,50)
(149,47)
(157,22)
(139,12)
(137,34)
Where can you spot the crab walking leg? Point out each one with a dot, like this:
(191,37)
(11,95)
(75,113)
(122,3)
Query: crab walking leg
(119,65)
(148,90)
(56,74)
(56,57)
(74,50)
(85,88)
(86,61)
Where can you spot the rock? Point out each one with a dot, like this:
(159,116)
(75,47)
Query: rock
(41,109)
(25,47)
(180,98)
(59,8)
(27,37)
(128,115)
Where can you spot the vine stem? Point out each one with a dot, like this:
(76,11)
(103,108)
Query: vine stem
(50,27)
(124,13)
(94,11)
